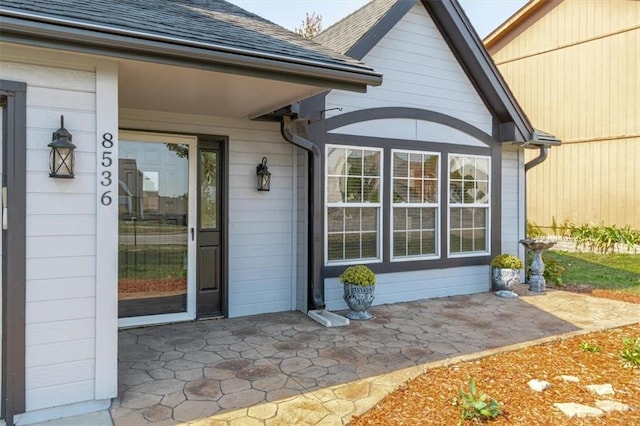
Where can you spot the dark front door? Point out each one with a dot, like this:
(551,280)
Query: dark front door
(209,288)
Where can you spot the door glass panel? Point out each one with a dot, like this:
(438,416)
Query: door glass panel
(208,185)
(153,201)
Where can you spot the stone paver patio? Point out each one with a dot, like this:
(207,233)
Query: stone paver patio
(287,369)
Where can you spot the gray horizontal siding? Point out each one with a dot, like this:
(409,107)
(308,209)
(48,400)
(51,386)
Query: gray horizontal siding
(416,285)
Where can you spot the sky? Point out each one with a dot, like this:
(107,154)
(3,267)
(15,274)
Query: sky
(485,15)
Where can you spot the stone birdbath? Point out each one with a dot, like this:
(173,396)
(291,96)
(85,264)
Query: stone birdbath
(537,282)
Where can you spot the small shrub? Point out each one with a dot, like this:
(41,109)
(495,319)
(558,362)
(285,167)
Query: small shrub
(534,231)
(475,405)
(589,347)
(506,261)
(583,235)
(630,354)
(553,270)
(565,228)
(629,237)
(358,275)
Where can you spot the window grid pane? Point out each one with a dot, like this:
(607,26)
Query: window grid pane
(352,233)
(469,197)
(415,204)
(353,197)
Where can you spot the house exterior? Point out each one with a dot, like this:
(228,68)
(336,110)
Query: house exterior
(173,111)
(573,66)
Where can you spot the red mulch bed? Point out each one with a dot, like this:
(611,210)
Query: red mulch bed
(430,399)
(134,287)
(616,295)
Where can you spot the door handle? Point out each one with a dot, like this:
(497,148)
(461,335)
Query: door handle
(4,209)
(192,233)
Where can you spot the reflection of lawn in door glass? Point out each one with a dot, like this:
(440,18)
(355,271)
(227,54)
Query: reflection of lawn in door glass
(151,270)
(131,227)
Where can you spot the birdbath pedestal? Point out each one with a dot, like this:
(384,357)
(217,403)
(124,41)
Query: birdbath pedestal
(537,282)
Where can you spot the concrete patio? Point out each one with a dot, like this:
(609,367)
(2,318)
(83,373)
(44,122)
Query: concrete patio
(286,369)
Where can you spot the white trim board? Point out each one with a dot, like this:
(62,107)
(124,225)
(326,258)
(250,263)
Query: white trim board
(106,357)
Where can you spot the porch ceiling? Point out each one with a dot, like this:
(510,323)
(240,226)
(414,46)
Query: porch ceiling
(168,88)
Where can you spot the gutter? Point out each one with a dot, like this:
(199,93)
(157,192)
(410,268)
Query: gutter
(316,284)
(543,141)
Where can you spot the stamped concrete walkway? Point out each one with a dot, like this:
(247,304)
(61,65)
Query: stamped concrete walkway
(285,369)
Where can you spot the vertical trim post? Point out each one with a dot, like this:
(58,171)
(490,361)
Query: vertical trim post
(106,367)
(14,250)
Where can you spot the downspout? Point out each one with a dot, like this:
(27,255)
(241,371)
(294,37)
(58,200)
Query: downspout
(316,285)
(544,151)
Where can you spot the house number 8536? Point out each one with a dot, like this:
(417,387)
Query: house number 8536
(106,162)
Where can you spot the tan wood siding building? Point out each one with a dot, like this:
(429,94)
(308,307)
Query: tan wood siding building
(574,66)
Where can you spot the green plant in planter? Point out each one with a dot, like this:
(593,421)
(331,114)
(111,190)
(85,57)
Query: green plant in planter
(506,261)
(358,275)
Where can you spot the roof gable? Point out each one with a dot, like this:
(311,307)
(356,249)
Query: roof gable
(378,16)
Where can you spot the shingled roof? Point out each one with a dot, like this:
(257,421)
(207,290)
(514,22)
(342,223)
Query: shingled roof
(206,24)
(344,34)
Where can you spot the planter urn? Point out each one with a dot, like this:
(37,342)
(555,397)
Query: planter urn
(505,274)
(359,283)
(505,278)
(359,299)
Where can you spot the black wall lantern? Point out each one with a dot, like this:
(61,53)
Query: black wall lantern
(264,175)
(61,155)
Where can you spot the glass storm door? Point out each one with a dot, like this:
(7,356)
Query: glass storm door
(2,219)
(155,230)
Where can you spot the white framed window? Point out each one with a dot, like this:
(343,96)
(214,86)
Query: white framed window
(353,213)
(469,204)
(415,205)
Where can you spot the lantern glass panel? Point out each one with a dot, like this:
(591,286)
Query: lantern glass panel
(264,182)
(61,162)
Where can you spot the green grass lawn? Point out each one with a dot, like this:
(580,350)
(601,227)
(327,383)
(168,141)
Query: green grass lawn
(152,261)
(610,271)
